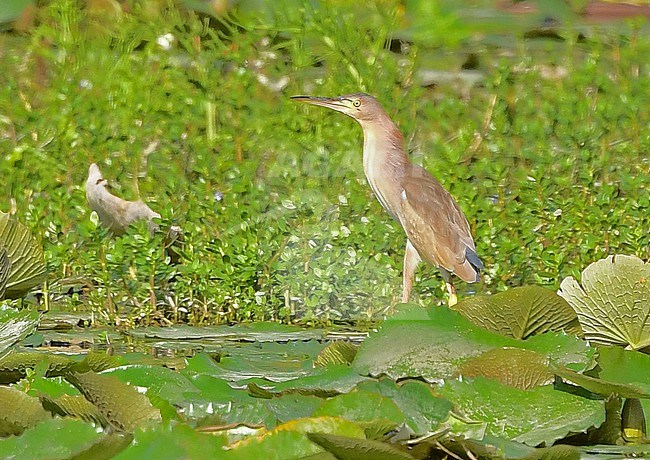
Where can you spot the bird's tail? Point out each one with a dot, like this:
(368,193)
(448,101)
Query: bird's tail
(475,266)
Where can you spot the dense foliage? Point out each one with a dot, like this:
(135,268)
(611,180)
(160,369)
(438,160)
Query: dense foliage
(543,141)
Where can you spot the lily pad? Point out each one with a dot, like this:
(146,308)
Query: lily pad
(361,406)
(542,415)
(26,257)
(289,440)
(521,312)
(74,406)
(14,366)
(160,381)
(424,411)
(339,352)
(5,267)
(514,367)
(624,366)
(602,387)
(53,438)
(122,405)
(15,325)
(434,349)
(19,411)
(177,442)
(613,301)
(344,448)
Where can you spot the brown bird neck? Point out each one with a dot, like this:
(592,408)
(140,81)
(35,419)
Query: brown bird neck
(384,160)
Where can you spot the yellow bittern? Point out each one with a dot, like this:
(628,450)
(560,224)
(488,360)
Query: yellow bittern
(436,229)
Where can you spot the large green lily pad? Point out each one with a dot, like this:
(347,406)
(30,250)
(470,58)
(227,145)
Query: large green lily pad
(423,410)
(511,366)
(19,411)
(122,405)
(535,416)
(344,448)
(521,312)
(26,256)
(613,301)
(434,349)
(53,438)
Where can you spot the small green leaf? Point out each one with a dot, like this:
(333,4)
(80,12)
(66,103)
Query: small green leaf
(339,352)
(521,312)
(612,301)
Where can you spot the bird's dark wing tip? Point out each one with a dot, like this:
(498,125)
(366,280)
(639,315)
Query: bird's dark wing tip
(473,259)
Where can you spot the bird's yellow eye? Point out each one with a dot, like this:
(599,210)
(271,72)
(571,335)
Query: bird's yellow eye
(356,103)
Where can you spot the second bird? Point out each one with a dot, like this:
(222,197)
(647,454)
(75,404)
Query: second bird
(436,229)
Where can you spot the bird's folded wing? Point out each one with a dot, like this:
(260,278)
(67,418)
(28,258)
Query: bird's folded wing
(435,224)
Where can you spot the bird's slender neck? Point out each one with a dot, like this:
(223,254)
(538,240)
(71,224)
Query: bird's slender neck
(384,159)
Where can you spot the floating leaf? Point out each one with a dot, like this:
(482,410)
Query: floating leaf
(361,406)
(338,352)
(121,404)
(624,366)
(535,416)
(433,349)
(511,366)
(14,366)
(176,442)
(160,381)
(558,452)
(613,301)
(19,411)
(600,386)
(289,440)
(423,410)
(521,312)
(74,406)
(26,257)
(344,448)
(15,325)
(5,267)
(53,439)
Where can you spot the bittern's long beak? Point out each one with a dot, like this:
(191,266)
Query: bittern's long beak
(333,103)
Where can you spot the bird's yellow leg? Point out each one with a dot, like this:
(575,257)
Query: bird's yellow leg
(451,290)
(411,261)
(453,298)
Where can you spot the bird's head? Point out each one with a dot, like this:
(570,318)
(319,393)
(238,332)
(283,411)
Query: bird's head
(362,107)
(95,177)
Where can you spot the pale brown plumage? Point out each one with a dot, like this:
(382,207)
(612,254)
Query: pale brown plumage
(114,212)
(436,229)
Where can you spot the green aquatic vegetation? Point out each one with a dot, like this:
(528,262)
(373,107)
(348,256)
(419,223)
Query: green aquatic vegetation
(533,392)
(542,153)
